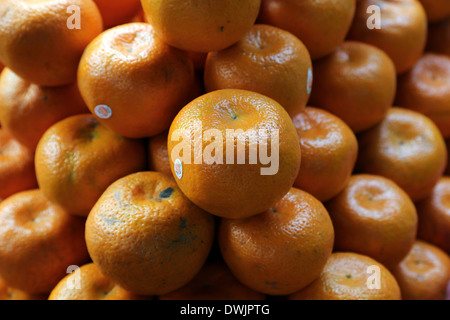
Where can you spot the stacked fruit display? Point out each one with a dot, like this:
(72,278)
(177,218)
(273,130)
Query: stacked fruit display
(211,150)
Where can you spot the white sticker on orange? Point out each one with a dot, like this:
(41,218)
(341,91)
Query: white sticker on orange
(178,168)
(309,81)
(103,111)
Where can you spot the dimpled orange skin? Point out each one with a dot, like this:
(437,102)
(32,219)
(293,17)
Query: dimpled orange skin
(158,156)
(345,277)
(320,25)
(434,215)
(38,241)
(228,189)
(78,158)
(436,10)
(116,12)
(214,282)
(402,39)
(28,110)
(201,26)
(8,293)
(374,217)
(357,82)
(438,40)
(405,147)
(267,60)
(88,283)
(281,250)
(37,43)
(425,88)
(16,166)
(141,79)
(146,236)
(329,151)
(424,273)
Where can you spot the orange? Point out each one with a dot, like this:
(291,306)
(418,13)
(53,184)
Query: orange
(373,216)
(116,12)
(78,158)
(320,25)
(425,88)
(438,40)
(282,250)
(208,144)
(88,283)
(28,110)
(329,151)
(158,156)
(133,82)
(201,26)
(214,282)
(402,39)
(38,242)
(434,215)
(357,82)
(424,273)
(267,60)
(405,147)
(436,10)
(9,293)
(351,276)
(41,41)
(16,166)
(146,236)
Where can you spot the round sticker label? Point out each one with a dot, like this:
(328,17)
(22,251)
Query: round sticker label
(309,81)
(103,111)
(178,168)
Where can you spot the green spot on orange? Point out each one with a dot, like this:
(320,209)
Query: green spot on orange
(166,193)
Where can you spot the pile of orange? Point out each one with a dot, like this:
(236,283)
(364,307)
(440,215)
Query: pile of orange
(224,150)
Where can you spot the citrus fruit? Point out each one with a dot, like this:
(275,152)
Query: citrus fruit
(42,41)
(38,242)
(282,250)
(233,152)
(329,151)
(146,236)
(402,39)
(133,82)
(424,273)
(77,158)
(434,215)
(28,110)
(17,171)
(88,283)
(201,26)
(425,88)
(356,82)
(9,293)
(436,10)
(373,216)
(267,60)
(348,276)
(320,25)
(158,156)
(406,147)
